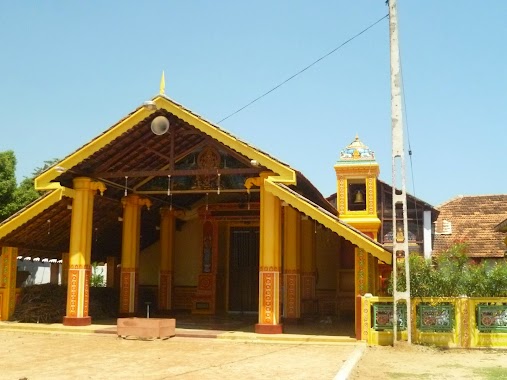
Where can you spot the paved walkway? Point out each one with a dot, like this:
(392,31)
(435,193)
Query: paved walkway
(243,336)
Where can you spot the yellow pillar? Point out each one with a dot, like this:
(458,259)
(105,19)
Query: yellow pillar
(308,267)
(8,269)
(270,265)
(80,251)
(466,321)
(362,272)
(292,265)
(167,231)
(132,205)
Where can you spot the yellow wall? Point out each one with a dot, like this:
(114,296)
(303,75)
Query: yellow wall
(149,263)
(187,257)
(187,253)
(327,258)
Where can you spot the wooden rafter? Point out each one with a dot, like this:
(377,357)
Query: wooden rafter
(173,173)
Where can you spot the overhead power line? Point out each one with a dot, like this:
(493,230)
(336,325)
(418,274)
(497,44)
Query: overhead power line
(305,68)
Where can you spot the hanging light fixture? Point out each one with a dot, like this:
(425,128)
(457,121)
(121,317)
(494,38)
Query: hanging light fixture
(160,125)
(126,184)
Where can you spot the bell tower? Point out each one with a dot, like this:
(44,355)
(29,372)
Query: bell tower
(356,193)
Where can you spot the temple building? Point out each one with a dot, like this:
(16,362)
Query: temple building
(207,223)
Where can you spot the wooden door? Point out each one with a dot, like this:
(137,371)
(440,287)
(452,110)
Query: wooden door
(244,269)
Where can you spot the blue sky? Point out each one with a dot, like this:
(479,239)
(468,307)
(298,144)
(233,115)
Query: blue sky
(69,70)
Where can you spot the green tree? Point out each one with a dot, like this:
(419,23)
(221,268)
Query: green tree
(25,193)
(12,197)
(7,184)
(97,278)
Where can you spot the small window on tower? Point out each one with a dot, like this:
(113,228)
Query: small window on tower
(357,195)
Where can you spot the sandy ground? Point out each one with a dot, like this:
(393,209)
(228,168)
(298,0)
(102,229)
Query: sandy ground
(30,356)
(25,355)
(419,362)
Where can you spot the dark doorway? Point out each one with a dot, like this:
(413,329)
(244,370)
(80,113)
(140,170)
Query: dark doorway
(244,269)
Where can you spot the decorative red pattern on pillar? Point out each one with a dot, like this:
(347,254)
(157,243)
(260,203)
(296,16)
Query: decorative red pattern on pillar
(73,279)
(86,300)
(8,264)
(126,289)
(292,284)
(308,286)
(4,264)
(165,290)
(267,299)
(78,294)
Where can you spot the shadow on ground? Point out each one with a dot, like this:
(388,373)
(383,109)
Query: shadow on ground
(317,325)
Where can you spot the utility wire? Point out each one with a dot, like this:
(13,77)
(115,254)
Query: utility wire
(304,69)
(405,115)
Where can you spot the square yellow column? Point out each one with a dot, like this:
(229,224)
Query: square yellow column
(309,300)
(79,272)
(132,205)
(269,259)
(270,266)
(361,272)
(292,265)
(8,271)
(167,231)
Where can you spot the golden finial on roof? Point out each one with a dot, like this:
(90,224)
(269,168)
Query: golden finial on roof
(162,84)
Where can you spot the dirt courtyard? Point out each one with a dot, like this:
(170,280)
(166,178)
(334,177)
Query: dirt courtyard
(32,356)
(420,362)
(54,355)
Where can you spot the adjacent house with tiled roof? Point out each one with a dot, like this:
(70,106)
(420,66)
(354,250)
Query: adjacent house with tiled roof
(475,220)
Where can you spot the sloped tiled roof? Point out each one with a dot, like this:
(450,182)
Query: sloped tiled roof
(502,226)
(473,219)
(126,156)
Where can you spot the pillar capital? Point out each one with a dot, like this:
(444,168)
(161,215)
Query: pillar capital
(85,183)
(257,181)
(136,200)
(166,212)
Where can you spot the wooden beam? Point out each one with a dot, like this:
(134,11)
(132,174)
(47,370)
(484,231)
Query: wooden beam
(173,173)
(203,191)
(176,159)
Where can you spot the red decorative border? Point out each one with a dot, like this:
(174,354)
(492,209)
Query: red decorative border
(266,312)
(292,299)
(270,269)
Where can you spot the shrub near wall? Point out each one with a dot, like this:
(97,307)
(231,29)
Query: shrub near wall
(452,274)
